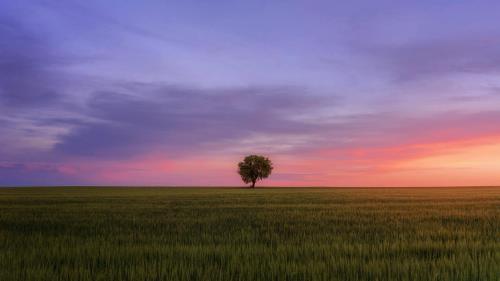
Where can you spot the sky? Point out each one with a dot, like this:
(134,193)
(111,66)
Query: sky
(336,93)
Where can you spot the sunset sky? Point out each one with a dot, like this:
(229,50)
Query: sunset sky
(336,93)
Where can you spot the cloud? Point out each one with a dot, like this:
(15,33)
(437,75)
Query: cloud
(33,87)
(23,174)
(27,77)
(177,119)
(436,58)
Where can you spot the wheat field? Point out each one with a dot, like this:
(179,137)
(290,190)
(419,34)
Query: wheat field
(125,233)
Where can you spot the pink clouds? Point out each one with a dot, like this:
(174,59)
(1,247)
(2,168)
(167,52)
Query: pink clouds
(454,162)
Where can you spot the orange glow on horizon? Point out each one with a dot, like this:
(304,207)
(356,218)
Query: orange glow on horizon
(447,163)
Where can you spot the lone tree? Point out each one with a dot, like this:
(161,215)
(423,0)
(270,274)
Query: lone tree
(254,168)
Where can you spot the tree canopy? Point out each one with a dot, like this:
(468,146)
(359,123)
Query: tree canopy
(254,168)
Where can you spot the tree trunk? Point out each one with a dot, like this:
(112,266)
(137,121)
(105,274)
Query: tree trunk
(253,184)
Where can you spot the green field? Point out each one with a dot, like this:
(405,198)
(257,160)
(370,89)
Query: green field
(242,234)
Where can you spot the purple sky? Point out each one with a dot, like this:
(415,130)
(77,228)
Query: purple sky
(177,92)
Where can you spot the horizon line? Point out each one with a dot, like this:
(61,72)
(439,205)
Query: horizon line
(246,187)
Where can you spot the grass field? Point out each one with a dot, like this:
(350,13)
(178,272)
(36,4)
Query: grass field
(240,234)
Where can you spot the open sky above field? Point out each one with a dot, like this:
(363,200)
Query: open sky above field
(350,93)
